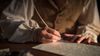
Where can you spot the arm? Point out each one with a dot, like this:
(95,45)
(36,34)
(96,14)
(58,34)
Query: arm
(20,11)
(92,27)
(28,30)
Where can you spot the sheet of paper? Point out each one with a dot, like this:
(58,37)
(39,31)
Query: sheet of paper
(70,49)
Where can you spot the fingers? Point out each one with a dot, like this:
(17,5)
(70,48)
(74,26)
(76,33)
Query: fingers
(68,35)
(89,40)
(78,35)
(53,31)
(78,38)
(81,39)
(75,38)
(56,33)
(53,37)
(72,35)
(50,36)
(84,38)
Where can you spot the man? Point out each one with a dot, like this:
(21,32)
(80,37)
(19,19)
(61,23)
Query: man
(47,20)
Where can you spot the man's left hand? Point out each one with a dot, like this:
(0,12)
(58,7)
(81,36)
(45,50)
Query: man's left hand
(88,38)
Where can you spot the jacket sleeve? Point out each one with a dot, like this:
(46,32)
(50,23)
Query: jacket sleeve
(93,27)
(21,11)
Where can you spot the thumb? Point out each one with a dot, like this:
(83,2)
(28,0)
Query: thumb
(53,31)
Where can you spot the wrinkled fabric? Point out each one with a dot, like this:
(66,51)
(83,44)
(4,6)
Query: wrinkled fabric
(62,15)
(19,14)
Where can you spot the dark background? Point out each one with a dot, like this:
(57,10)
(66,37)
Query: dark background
(98,1)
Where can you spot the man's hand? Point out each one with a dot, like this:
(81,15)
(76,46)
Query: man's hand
(87,38)
(50,35)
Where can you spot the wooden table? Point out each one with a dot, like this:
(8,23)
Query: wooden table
(16,47)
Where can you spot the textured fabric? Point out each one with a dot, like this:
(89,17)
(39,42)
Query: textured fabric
(61,15)
(20,11)
(62,18)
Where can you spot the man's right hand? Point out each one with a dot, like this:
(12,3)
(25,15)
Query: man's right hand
(50,35)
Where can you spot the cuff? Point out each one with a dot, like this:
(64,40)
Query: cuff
(92,35)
